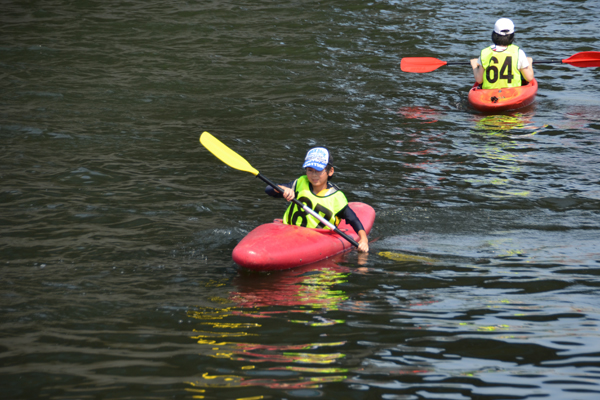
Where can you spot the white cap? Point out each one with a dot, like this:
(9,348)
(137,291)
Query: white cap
(504,26)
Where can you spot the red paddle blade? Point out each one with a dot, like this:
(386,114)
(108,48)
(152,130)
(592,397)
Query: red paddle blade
(584,59)
(420,64)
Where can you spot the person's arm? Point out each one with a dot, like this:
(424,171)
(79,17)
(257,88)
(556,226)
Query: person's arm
(477,70)
(350,216)
(288,192)
(363,243)
(528,71)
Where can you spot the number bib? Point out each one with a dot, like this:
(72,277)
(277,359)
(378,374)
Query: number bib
(326,206)
(501,68)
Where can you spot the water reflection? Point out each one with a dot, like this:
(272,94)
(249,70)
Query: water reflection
(503,124)
(255,341)
(425,115)
(308,286)
(252,329)
(420,148)
(580,118)
(505,151)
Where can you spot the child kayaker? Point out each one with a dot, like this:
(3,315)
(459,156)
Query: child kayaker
(325,198)
(503,64)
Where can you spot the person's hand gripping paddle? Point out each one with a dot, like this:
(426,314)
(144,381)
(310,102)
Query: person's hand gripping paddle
(234,160)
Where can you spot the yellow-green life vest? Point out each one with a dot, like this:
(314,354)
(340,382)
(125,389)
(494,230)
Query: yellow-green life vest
(501,68)
(327,206)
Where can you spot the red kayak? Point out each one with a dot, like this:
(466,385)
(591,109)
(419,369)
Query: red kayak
(494,100)
(277,246)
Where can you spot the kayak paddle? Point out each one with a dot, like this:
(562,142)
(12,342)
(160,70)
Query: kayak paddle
(428,64)
(234,160)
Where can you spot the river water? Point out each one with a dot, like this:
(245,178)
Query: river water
(117,226)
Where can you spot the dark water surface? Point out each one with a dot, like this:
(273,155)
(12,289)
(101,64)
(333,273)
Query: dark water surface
(117,227)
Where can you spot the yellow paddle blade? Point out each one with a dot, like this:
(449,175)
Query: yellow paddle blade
(225,154)
(406,257)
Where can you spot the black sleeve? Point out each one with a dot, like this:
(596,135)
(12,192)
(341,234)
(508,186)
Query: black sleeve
(349,215)
(274,193)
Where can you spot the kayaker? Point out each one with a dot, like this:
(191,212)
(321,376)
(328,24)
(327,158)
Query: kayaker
(324,197)
(503,64)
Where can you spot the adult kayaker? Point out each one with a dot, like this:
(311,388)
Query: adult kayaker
(503,64)
(325,198)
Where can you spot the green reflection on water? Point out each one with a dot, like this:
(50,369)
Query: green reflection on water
(310,291)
